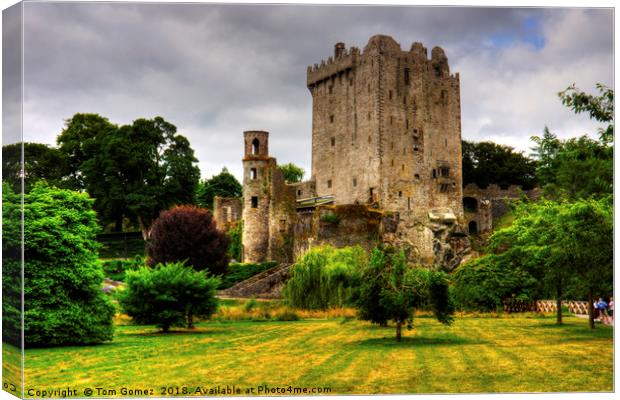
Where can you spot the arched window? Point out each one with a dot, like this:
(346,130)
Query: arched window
(255,144)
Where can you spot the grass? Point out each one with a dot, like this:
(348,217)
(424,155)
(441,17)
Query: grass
(484,353)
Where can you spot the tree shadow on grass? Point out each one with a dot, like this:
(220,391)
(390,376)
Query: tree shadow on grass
(176,332)
(417,341)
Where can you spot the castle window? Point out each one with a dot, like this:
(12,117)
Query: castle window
(254,202)
(444,171)
(282,225)
(434,173)
(473,228)
(329,184)
(253,173)
(299,192)
(369,88)
(354,182)
(350,82)
(406,125)
(405,100)
(333,141)
(406,77)
(400,193)
(369,139)
(390,94)
(417,176)
(415,131)
(415,148)
(369,115)
(331,119)
(402,167)
(446,142)
(408,203)
(255,145)
(331,89)
(392,163)
(391,120)
(444,187)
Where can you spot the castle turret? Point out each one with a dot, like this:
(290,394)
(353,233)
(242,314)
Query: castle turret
(256,195)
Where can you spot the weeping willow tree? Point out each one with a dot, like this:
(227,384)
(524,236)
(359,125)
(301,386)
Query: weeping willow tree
(325,277)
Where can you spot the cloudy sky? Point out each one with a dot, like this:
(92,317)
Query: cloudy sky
(217,70)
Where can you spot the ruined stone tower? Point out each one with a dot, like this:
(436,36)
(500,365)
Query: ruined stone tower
(268,204)
(386,127)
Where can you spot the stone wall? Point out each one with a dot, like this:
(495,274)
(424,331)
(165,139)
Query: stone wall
(226,211)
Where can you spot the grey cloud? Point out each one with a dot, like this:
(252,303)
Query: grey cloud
(216,70)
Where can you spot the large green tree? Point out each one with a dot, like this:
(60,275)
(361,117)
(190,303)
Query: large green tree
(223,184)
(40,162)
(133,171)
(560,241)
(63,298)
(391,290)
(487,163)
(579,167)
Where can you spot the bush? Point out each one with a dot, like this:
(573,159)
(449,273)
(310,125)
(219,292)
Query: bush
(64,301)
(287,315)
(238,272)
(483,284)
(188,234)
(116,269)
(169,295)
(325,277)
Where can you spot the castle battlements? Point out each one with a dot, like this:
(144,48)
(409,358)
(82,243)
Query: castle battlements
(342,61)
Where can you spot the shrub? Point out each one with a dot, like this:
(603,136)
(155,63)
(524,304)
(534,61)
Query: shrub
(287,315)
(330,218)
(169,295)
(238,272)
(483,283)
(116,269)
(324,277)
(64,302)
(188,234)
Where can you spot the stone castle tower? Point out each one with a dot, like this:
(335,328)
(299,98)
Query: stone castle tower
(386,155)
(268,204)
(386,127)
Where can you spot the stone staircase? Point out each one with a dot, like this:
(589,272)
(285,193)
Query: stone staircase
(265,285)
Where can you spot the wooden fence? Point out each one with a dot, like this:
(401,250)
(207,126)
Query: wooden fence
(575,307)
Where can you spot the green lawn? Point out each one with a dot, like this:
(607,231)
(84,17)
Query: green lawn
(525,353)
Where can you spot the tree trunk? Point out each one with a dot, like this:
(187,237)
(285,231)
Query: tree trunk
(399,328)
(190,320)
(591,308)
(145,232)
(559,303)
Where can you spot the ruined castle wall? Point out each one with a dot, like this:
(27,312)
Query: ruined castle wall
(282,215)
(226,211)
(304,190)
(338,226)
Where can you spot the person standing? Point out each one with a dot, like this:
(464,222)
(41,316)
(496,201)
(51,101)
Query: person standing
(602,308)
(611,309)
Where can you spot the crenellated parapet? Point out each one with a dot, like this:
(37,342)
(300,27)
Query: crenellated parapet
(342,61)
